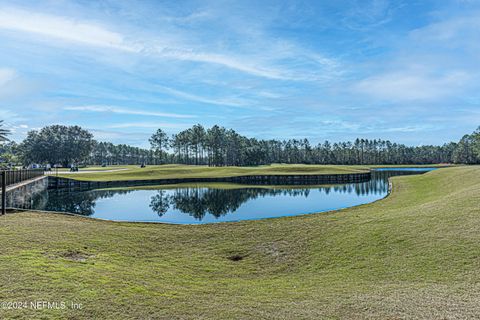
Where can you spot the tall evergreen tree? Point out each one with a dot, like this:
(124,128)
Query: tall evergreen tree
(159,142)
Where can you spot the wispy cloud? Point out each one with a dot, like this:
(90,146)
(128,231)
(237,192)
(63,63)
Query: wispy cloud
(12,119)
(274,69)
(412,85)
(63,28)
(365,15)
(6,75)
(436,61)
(93,34)
(121,136)
(226,61)
(16,128)
(121,110)
(232,102)
(452,31)
(414,128)
(149,125)
(190,18)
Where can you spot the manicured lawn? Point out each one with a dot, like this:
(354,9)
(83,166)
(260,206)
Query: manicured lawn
(186,171)
(439,165)
(415,254)
(94,168)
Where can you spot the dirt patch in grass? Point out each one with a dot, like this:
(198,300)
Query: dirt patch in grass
(277,250)
(236,257)
(75,255)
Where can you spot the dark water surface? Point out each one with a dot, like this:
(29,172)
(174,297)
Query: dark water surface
(207,204)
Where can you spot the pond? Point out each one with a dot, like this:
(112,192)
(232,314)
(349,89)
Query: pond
(208,203)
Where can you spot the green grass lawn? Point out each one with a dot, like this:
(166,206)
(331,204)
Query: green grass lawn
(94,168)
(438,165)
(186,171)
(415,254)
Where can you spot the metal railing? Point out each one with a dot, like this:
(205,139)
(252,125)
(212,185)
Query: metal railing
(11,177)
(17,176)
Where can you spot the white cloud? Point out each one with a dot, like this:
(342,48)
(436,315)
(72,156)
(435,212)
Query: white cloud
(232,64)
(266,65)
(412,85)
(409,129)
(365,15)
(433,62)
(461,28)
(89,33)
(138,139)
(6,75)
(232,102)
(191,18)
(68,29)
(121,110)
(149,125)
(16,128)
(315,68)
(7,114)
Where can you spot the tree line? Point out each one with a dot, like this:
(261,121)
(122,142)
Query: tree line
(219,146)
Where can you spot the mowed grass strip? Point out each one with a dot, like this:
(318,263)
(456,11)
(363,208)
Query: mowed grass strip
(176,171)
(413,255)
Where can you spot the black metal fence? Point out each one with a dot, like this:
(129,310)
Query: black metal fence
(11,177)
(17,176)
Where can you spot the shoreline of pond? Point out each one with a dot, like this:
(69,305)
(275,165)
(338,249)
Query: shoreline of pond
(67,183)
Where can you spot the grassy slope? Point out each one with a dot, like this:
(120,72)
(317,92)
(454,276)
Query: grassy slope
(438,165)
(95,168)
(186,171)
(217,185)
(414,254)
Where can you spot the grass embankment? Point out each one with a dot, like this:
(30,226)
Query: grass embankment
(412,255)
(437,165)
(217,185)
(187,171)
(93,168)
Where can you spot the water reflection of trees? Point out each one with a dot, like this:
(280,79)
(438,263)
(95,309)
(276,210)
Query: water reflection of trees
(79,202)
(197,202)
(160,203)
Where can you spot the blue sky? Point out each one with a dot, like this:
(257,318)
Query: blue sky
(407,71)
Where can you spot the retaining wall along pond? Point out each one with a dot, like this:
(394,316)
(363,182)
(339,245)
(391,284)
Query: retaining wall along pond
(20,193)
(60,182)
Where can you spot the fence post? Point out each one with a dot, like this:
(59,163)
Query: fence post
(4,192)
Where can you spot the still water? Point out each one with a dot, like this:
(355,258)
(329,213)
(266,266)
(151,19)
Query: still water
(207,203)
